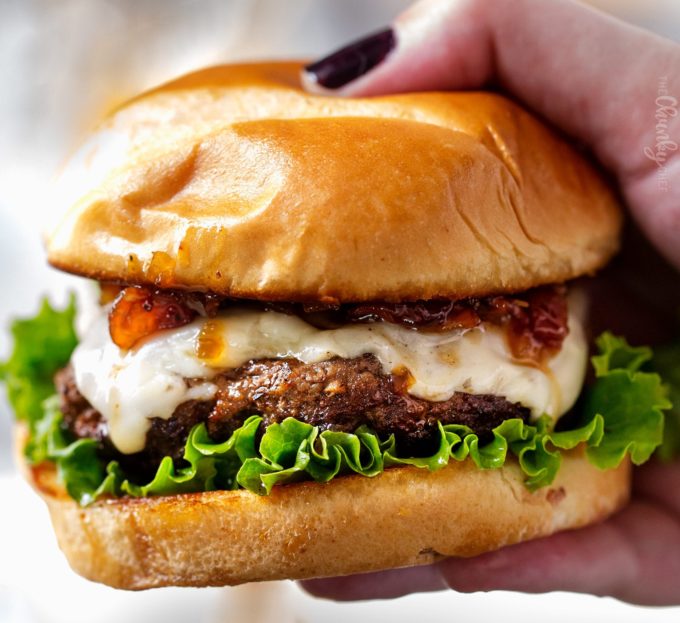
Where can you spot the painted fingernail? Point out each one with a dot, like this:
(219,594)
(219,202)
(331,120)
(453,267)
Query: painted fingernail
(352,61)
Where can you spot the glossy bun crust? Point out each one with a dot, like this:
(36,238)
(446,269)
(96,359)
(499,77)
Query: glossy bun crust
(405,516)
(234,180)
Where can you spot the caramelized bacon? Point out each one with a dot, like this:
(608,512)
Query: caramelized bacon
(438,315)
(538,329)
(139,312)
(536,320)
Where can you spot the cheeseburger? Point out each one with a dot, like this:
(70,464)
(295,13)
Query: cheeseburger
(332,336)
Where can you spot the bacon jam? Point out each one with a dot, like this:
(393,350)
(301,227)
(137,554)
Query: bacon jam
(535,320)
(139,312)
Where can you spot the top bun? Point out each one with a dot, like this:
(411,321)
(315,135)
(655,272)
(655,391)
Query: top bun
(236,181)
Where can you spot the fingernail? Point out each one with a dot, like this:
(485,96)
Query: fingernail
(352,61)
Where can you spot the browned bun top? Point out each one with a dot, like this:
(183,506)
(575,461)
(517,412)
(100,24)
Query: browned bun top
(235,180)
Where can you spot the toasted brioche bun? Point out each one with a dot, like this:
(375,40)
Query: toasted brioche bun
(405,516)
(236,181)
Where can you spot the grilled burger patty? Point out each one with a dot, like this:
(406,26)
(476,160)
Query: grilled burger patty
(338,394)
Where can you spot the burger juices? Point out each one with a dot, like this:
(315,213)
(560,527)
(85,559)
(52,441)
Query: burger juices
(324,322)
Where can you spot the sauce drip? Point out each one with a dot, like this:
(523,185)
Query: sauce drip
(402,379)
(210,342)
(108,292)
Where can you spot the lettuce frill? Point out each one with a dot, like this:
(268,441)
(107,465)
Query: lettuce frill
(621,414)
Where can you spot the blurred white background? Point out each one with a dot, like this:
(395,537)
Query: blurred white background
(63,63)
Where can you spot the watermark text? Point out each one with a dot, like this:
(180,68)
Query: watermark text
(664,145)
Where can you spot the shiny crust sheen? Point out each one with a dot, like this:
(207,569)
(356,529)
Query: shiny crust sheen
(405,516)
(236,181)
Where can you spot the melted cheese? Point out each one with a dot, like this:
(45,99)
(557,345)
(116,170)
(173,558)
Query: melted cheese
(130,387)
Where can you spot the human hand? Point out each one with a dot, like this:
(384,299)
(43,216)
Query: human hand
(612,87)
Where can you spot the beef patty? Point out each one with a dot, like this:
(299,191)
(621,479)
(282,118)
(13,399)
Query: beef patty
(338,394)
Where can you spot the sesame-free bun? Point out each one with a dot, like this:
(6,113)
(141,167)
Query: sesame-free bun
(236,181)
(405,516)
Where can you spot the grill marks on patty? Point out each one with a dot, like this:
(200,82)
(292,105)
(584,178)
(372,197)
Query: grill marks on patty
(338,394)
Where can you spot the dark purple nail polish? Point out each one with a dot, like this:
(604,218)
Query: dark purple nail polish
(352,61)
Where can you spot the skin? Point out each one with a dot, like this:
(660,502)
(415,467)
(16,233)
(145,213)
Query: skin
(598,80)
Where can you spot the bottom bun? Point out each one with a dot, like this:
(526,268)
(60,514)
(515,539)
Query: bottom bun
(405,516)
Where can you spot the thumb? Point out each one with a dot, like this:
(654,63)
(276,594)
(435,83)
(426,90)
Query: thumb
(633,557)
(434,45)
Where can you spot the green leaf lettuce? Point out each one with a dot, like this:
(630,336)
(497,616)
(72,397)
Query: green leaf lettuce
(42,345)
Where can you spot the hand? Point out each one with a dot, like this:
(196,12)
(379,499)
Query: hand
(614,88)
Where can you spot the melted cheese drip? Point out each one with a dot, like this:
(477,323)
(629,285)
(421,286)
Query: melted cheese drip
(130,387)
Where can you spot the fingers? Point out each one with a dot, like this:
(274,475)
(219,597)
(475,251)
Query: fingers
(635,556)
(590,74)
(595,560)
(435,45)
(382,585)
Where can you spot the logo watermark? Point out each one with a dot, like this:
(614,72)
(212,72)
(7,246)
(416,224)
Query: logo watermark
(664,145)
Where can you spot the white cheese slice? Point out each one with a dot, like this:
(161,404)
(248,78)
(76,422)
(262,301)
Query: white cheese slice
(130,387)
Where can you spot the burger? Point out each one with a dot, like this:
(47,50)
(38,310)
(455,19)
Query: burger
(332,336)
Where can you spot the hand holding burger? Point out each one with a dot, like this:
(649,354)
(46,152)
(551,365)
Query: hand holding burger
(597,79)
(333,336)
